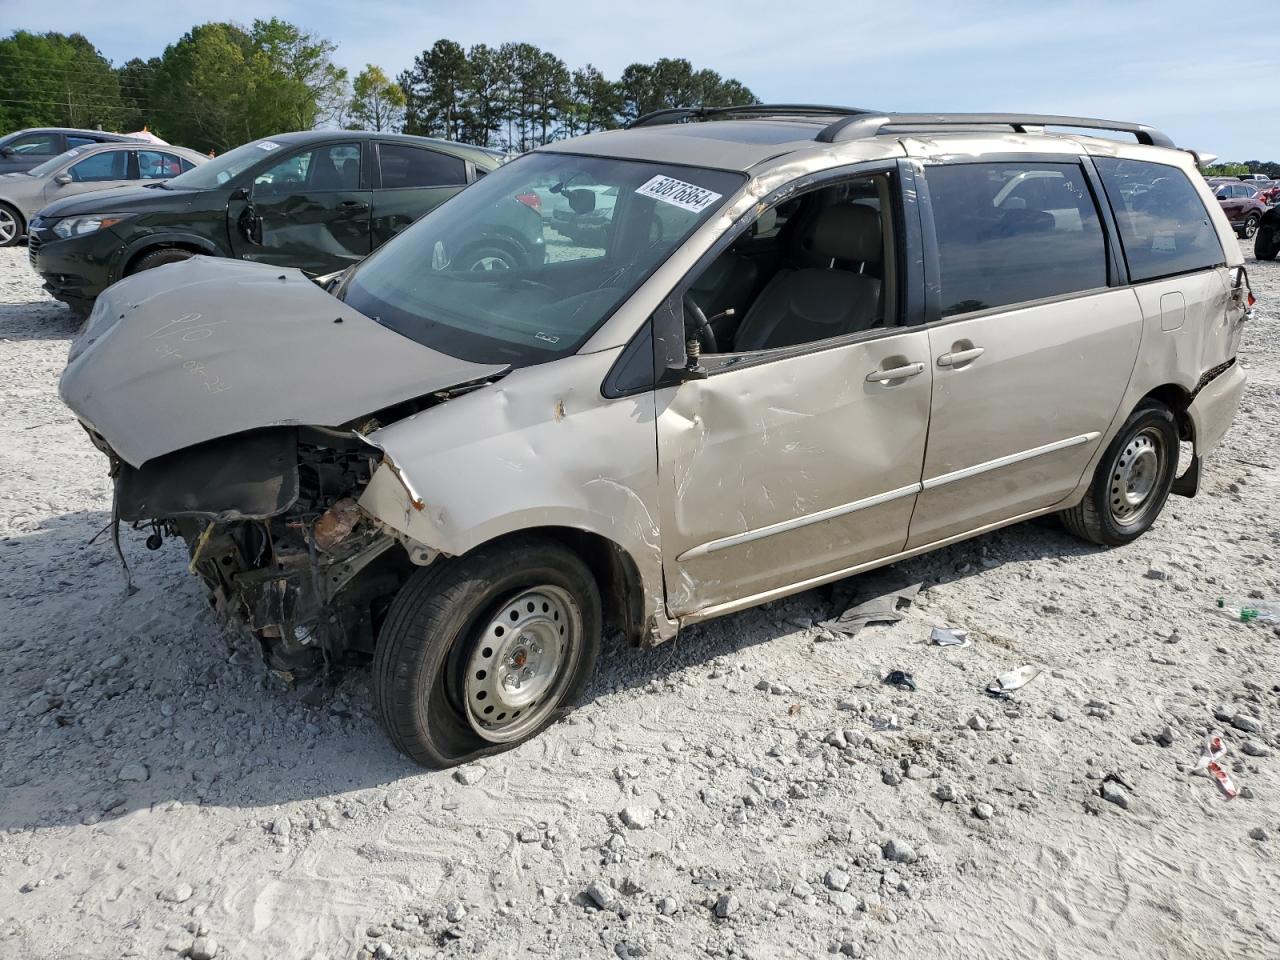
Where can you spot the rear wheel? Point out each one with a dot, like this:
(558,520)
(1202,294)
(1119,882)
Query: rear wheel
(488,258)
(485,652)
(1266,245)
(1250,225)
(158,258)
(11,226)
(1132,482)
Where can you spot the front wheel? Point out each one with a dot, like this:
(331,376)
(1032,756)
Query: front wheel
(485,652)
(1132,482)
(1266,245)
(158,258)
(1250,226)
(11,225)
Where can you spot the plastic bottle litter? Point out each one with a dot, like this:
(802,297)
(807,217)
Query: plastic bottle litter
(1207,766)
(1249,611)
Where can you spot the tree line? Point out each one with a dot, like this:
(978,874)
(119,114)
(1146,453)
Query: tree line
(222,84)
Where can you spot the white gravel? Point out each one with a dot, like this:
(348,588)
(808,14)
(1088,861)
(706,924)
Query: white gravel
(157,791)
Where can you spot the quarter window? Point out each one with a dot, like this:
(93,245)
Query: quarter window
(404,166)
(154,165)
(1014,232)
(73,142)
(1164,227)
(111,165)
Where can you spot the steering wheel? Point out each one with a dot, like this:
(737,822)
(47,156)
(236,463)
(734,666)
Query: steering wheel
(695,321)
(537,285)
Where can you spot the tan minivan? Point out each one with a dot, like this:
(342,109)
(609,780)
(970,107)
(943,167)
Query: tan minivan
(764,348)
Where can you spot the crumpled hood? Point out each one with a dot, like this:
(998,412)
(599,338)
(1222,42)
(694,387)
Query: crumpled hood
(206,348)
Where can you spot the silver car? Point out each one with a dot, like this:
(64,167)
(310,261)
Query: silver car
(96,166)
(800,343)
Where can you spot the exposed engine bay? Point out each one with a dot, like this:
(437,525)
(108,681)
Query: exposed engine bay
(273,530)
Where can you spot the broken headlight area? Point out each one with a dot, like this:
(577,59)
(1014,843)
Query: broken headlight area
(273,530)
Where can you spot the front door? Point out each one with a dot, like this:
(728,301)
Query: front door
(799,455)
(1031,351)
(98,171)
(313,208)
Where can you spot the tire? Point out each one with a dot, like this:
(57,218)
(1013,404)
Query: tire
(1250,226)
(1143,457)
(12,227)
(1266,243)
(158,258)
(444,647)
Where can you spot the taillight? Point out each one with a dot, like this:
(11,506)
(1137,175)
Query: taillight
(530,200)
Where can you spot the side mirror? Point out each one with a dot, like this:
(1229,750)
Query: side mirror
(62,179)
(240,193)
(6,151)
(581,201)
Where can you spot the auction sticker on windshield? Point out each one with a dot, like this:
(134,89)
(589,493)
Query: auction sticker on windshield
(687,196)
(268,145)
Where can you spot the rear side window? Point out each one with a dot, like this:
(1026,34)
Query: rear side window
(73,142)
(35,144)
(1164,227)
(1014,232)
(155,165)
(404,166)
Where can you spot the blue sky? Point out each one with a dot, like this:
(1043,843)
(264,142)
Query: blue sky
(1170,63)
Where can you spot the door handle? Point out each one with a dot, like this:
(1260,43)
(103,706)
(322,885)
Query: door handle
(958,357)
(354,204)
(896,373)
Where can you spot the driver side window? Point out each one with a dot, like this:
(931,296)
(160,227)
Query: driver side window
(817,267)
(332,167)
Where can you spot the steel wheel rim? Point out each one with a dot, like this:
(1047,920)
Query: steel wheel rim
(1135,476)
(490,264)
(8,226)
(521,662)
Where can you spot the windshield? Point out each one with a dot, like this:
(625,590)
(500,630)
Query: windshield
(231,164)
(522,266)
(53,163)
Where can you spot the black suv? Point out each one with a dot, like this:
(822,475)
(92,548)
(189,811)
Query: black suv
(319,200)
(24,149)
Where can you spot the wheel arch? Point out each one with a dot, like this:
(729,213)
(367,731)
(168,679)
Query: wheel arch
(615,571)
(137,251)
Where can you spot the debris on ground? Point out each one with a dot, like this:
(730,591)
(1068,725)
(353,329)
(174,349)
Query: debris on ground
(1214,750)
(949,637)
(1006,683)
(887,608)
(901,679)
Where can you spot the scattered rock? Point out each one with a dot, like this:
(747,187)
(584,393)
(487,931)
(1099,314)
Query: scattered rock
(455,912)
(977,722)
(1259,833)
(204,948)
(984,811)
(1242,721)
(1112,792)
(726,905)
(601,895)
(281,826)
(899,851)
(667,906)
(134,773)
(1255,749)
(469,775)
(637,818)
(837,879)
(180,893)
(1165,737)
(944,792)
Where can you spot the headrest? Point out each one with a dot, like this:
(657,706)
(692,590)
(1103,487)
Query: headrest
(848,232)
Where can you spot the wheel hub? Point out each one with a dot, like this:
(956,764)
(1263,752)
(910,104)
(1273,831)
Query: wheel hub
(1135,475)
(520,661)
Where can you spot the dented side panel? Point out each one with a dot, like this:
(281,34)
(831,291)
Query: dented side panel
(541,448)
(785,470)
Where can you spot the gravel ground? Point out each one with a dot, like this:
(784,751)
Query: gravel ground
(159,793)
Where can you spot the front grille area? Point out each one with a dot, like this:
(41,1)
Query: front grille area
(33,246)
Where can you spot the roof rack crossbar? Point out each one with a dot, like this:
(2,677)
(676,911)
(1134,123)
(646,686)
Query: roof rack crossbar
(868,125)
(759,110)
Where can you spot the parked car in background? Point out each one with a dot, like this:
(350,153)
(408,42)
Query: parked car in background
(319,200)
(1255,177)
(24,149)
(1269,192)
(1266,242)
(1240,203)
(810,342)
(96,166)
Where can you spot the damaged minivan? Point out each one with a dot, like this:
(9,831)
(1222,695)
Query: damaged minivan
(796,343)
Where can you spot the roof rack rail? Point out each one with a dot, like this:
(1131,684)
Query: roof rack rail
(761,110)
(862,125)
